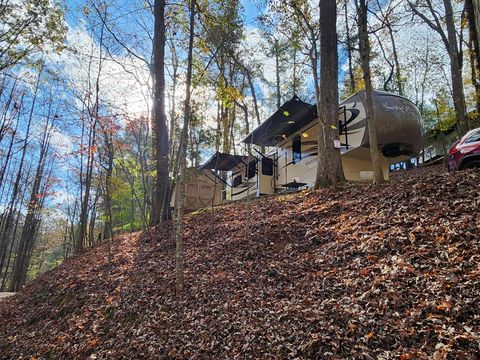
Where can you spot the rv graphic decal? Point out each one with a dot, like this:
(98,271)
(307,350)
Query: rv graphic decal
(398,108)
(353,115)
(244,190)
(353,131)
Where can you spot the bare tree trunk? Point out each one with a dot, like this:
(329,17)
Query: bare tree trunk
(5,231)
(108,194)
(10,146)
(173,155)
(161,195)
(6,116)
(455,66)
(27,238)
(83,225)
(92,221)
(387,79)
(329,166)
(476,9)
(474,52)
(365,59)
(294,72)
(455,56)
(276,48)
(349,51)
(398,73)
(13,237)
(245,116)
(254,96)
(93,113)
(179,253)
(31,223)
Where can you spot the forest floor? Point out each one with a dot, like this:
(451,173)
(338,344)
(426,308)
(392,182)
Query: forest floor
(385,272)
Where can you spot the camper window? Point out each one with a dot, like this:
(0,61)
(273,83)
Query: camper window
(251,169)
(237,181)
(296,149)
(267,166)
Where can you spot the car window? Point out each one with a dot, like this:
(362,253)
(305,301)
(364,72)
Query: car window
(474,137)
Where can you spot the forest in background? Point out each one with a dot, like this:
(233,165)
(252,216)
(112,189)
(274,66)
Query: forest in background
(77,136)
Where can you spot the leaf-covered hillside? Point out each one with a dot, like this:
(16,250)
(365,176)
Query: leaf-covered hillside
(388,272)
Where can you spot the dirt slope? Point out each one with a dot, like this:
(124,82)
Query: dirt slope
(391,272)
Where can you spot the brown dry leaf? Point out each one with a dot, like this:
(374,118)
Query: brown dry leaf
(348,281)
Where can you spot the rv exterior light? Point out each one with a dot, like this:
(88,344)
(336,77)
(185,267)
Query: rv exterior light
(305,135)
(286,113)
(291,122)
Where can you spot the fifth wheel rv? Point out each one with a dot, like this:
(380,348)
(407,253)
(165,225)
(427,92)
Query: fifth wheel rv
(290,136)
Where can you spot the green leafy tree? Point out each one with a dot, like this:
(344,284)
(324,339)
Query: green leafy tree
(28,28)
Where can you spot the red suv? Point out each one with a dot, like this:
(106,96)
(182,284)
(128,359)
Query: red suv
(465,153)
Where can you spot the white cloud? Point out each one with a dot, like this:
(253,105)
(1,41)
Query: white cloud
(62,142)
(123,80)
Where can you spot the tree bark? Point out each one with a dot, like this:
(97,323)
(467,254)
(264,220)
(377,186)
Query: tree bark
(474,52)
(179,252)
(276,48)
(329,166)
(7,224)
(349,51)
(365,60)
(476,9)
(31,223)
(160,203)
(83,224)
(455,67)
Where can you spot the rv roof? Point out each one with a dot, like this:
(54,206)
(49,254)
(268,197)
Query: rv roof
(221,161)
(286,121)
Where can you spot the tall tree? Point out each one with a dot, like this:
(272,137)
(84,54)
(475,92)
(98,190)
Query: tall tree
(329,165)
(449,38)
(90,124)
(385,16)
(476,10)
(179,252)
(349,42)
(303,16)
(161,195)
(8,215)
(32,218)
(474,52)
(365,61)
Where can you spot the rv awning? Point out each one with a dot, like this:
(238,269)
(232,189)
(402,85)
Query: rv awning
(221,161)
(286,121)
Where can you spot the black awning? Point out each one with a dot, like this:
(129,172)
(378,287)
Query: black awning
(221,161)
(286,121)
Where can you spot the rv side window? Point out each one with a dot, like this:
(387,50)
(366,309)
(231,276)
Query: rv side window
(251,169)
(237,181)
(267,166)
(296,150)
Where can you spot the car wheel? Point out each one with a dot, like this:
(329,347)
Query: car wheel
(475,164)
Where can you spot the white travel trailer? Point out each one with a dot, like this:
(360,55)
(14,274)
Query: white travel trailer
(290,138)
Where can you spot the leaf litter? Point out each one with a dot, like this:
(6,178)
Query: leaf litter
(386,272)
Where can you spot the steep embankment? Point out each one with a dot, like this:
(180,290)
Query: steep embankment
(391,272)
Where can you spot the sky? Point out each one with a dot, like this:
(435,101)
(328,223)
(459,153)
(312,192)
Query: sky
(251,11)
